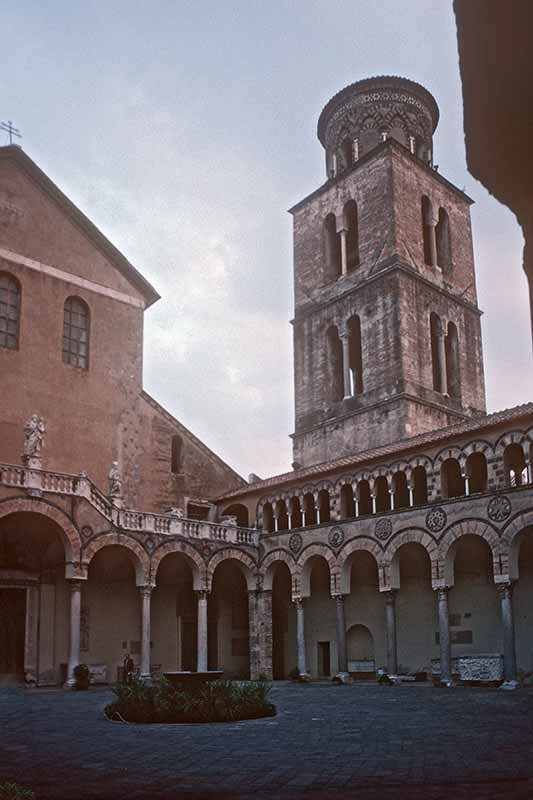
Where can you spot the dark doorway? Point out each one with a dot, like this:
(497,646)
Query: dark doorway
(12,629)
(324,667)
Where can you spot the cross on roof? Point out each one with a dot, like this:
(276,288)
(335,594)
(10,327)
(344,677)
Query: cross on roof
(10,130)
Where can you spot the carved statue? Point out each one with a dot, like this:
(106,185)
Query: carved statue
(115,480)
(34,431)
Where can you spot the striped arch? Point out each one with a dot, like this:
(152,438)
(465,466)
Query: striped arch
(246,564)
(69,534)
(304,563)
(410,536)
(193,558)
(447,546)
(512,539)
(135,551)
(478,446)
(448,452)
(347,555)
(510,437)
(268,566)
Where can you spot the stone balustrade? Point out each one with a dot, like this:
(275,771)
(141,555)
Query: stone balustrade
(38,481)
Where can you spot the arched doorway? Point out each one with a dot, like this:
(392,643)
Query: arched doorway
(365,608)
(415,610)
(283,623)
(230,598)
(34,600)
(174,628)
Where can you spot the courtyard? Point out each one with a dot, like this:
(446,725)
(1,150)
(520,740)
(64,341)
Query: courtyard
(364,740)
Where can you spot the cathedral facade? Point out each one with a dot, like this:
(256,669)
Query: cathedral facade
(402,540)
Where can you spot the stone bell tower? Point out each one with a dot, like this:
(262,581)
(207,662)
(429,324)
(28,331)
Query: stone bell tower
(387,338)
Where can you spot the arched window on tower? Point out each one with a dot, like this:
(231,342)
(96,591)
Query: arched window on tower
(332,248)
(426,230)
(351,224)
(436,332)
(9,311)
(176,455)
(76,327)
(334,365)
(444,248)
(453,377)
(347,152)
(356,354)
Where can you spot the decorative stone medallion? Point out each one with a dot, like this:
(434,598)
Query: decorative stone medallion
(383,528)
(336,537)
(150,545)
(436,520)
(86,532)
(295,542)
(499,508)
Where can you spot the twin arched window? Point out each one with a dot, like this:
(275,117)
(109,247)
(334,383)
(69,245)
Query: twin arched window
(76,330)
(9,311)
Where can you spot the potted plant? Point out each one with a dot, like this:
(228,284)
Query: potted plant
(82,677)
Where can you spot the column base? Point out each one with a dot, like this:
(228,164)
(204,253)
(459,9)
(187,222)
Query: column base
(70,683)
(304,677)
(146,678)
(510,685)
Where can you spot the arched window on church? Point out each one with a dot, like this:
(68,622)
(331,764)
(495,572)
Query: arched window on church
(351,224)
(347,502)
(176,454)
(365,498)
(444,248)
(296,512)
(9,311)
(268,518)
(453,377)
(401,491)
(76,331)
(420,486)
(476,469)
(515,465)
(332,248)
(381,489)
(436,333)
(309,509)
(347,152)
(334,365)
(355,351)
(426,229)
(451,480)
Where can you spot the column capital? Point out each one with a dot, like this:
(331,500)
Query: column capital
(146,589)
(505,590)
(75,584)
(201,593)
(298,601)
(390,596)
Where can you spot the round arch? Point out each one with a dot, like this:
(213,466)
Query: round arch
(347,554)
(510,541)
(193,558)
(411,536)
(304,562)
(446,550)
(268,567)
(135,551)
(246,564)
(69,534)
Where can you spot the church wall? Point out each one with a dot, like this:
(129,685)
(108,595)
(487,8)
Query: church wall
(366,606)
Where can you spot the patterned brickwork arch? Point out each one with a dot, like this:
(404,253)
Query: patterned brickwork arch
(69,534)
(135,551)
(509,437)
(347,555)
(446,550)
(304,563)
(193,558)
(448,452)
(511,540)
(246,563)
(268,566)
(478,446)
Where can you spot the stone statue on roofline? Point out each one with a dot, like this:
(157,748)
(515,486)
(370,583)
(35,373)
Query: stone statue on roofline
(34,431)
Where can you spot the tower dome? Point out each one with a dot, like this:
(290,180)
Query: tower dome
(362,115)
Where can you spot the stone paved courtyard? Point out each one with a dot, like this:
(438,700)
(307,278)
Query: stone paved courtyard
(364,741)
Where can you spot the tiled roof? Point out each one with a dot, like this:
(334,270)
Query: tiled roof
(395,449)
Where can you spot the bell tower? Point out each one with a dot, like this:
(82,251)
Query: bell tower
(387,337)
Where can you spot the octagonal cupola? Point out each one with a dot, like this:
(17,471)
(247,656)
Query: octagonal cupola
(361,116)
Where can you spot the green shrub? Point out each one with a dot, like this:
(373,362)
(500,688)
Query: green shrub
(82,676)
(217,701)
(12,791)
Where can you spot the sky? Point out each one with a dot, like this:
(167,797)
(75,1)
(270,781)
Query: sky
(185,130)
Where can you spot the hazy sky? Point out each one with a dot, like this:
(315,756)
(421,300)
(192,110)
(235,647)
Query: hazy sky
(185,130)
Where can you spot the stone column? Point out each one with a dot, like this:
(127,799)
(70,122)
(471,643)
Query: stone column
(509,649)
(276,521)
(356,500)
(344,261)
(444,637)
(260,633)
(467,483)
(202,657)
(341,634)
(317,509)
(345,339)
(31,634)
(391,493)
(411,494)
(392,659)
(442,361)
(432,230)
(300,636)
(373,498)
(74,641)
(146,594)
